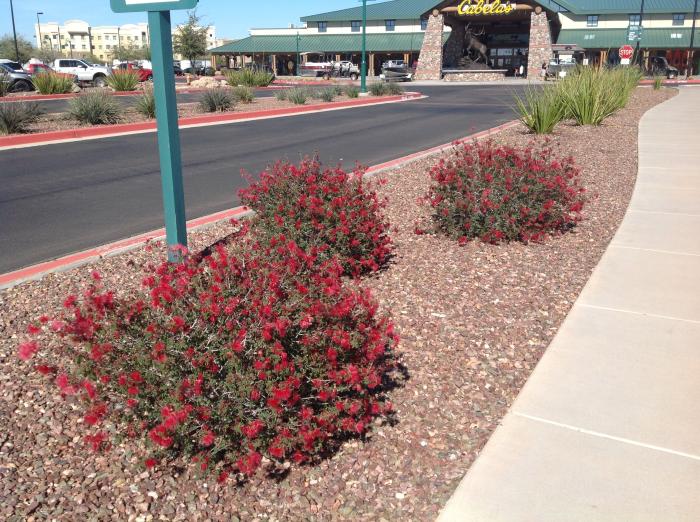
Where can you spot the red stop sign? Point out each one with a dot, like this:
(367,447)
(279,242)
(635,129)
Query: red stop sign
(626,52)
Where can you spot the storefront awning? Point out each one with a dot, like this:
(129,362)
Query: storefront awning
(652,38)
(328,43)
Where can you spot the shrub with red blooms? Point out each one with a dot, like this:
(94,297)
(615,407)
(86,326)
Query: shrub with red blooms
(326,209)
(259,350)
(497,193)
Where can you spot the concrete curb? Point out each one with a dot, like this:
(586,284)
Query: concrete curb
(62,264)
(46,138)
(51,97)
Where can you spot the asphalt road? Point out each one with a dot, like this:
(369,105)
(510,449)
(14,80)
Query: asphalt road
(63,198)
(61,105)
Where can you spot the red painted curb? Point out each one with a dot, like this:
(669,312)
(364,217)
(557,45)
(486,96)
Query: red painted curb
(116,130)
(73,260)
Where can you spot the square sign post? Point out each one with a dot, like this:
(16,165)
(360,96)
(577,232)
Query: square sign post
(166,113)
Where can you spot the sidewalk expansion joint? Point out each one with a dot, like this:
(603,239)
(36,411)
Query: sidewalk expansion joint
(655,250)
(644,314)
(601,435)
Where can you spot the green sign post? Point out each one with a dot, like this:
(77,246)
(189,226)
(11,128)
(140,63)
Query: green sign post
(166,113)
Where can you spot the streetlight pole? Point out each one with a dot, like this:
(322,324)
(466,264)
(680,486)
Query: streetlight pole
(38,25)
(363,70)
(14,31)
(298,56)
(692,41)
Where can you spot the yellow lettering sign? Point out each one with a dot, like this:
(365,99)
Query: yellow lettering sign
(480,7)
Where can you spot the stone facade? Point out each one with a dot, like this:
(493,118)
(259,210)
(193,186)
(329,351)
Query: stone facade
(540,43)
(454,48)
(487,75)
(430,59)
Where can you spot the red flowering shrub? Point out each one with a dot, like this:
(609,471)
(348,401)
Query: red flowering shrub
(497,193)
(325,209)
(259,350)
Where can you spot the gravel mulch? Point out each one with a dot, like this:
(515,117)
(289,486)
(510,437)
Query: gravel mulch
(473,320)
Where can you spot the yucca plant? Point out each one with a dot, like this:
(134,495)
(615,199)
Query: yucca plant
(146,104)
(217,99)
(658,82)
(282,94)
(589,95)
(298,95)
(378,89)
(540,110)
(123,81)
(53,83)
(95,107)
(393,89)
(351,91)
(249,78)
(243,94)
(326,95)
(14,117)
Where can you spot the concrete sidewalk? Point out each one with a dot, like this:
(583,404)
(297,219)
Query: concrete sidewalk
(608,426)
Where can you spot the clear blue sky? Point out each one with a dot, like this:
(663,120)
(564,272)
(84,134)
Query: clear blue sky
(232,18)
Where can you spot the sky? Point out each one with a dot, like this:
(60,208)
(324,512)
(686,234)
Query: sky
(232,18)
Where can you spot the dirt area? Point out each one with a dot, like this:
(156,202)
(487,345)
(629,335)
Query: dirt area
(473,320)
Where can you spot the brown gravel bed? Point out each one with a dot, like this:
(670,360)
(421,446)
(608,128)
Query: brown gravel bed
(473,321)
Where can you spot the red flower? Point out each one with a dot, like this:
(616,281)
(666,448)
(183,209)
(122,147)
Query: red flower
(208,438)
(27,350)
(151,463)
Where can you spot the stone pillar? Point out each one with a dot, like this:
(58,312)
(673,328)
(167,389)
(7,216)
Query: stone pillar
(370,65)
(430,59)
(540,43)
(454,47)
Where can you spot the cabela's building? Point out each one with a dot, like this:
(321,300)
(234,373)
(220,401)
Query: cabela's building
(484,38)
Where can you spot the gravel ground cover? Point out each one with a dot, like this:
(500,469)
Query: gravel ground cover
(473,321)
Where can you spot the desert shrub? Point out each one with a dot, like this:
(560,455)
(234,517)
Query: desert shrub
(338,90)
(123,81)
(146,104)
(53,83)
(95,107)
(282,94)
(14,117)
(328,210)
(351,91)
(217,99)
(498,193)
(658,82)
(249,78)
(378,88)
(326,95)
(298,95)
(540,110)
(393,89)
(256,351)
(4,83)
(243,94)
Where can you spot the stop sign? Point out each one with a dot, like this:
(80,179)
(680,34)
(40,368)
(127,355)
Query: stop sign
(626,52)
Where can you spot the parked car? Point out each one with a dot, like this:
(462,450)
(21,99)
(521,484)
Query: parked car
(145,75)
(86,73)
(15,66)
(177,70)
(200,71)
(659,66)
(18,81)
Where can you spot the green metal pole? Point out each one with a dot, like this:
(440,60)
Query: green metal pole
(168,132)
(298,58)
(363,81)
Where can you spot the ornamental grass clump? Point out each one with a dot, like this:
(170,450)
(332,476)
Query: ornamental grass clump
(256,351)
(217,99)
(95,107)
(249,78)
(540,109)
(393,89)
(378,88)
(326,210)
(496,193)
(243,94)
(658,82)
(146,103)
(53,83)
(298,95)
(351,91)
(16,117)
(123,81)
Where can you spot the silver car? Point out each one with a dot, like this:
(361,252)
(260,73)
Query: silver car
(18,81)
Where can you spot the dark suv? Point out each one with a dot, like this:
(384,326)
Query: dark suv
(659,66)
(18,81)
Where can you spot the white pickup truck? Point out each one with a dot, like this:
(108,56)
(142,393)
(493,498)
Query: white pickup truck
(86,73)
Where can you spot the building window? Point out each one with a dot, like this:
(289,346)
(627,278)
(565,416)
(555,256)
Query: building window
(356,26)
(322,27)
(423,24)
(635,20)
(679,19)
(390,25)
(592,21)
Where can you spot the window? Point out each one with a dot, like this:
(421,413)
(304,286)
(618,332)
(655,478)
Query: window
(423,24)
(356,26)
(390,25)
(679,19)
(592,21)
(635,20)
(322,27)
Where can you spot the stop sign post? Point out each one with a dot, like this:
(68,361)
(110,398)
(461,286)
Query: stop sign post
(626,53)
(166,113)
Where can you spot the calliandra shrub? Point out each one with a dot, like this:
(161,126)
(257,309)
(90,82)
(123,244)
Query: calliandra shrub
(53,83)
(95,107)
(15,117)
(256,351)
(123,81)
(324,209)
(496,193)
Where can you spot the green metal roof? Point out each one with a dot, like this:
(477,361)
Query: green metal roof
(626,6)
(394,10)
(341,43)
(665,38)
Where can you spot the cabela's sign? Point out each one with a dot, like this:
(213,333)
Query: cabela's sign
(481,7)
